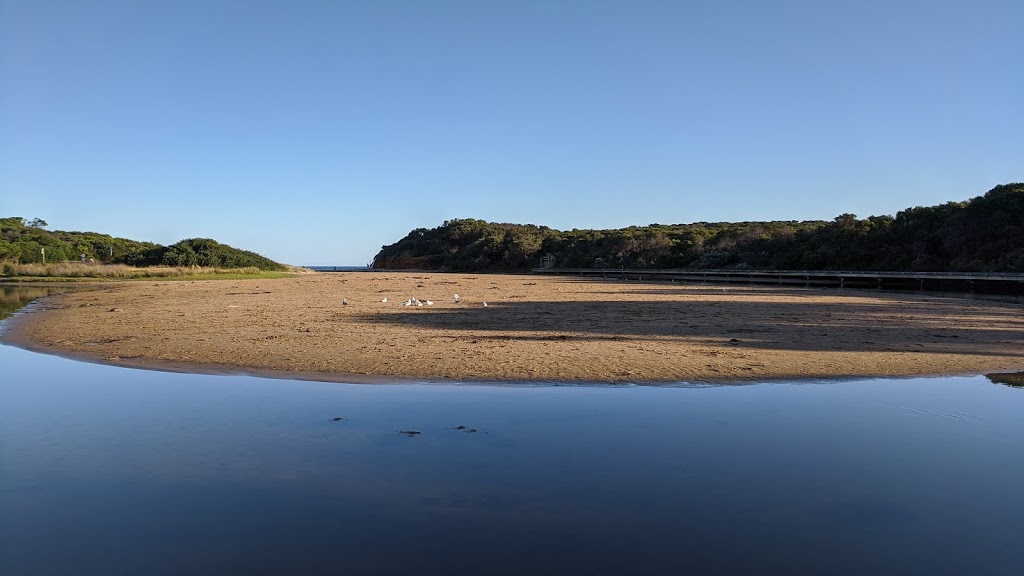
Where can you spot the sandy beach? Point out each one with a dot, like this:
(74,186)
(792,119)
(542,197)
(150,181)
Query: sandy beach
(533,328)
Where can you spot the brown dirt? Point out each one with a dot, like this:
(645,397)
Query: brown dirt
(533,329)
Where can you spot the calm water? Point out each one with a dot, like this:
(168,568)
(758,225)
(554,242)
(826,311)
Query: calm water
(110,471)
(14,297)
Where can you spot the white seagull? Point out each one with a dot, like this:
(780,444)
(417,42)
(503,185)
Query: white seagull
(457,300)
(429,303)
(384,300)
(485,304)
(344,301)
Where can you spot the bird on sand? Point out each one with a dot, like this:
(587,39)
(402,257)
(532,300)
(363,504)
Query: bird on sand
(344,301)
(429,303)
(457,300)
(485,304)
(384,300)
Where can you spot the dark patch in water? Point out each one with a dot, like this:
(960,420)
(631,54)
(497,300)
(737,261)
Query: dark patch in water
(1013,379)
(867,513)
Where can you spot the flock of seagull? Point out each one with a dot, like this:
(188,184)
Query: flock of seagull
(413,301)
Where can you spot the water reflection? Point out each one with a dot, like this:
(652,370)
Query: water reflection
(13,297)
(106,470)
(1015,379)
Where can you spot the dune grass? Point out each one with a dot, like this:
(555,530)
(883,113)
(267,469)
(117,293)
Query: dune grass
(77,271)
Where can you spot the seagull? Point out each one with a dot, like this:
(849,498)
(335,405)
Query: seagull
(457,300)
(407,302)
(429,303)
(384,300)
(344,301)
(485,304)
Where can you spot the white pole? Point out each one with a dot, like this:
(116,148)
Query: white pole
(43,250)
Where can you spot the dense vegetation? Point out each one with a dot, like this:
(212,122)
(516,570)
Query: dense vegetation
(27,241)
(984,234)
(209,253)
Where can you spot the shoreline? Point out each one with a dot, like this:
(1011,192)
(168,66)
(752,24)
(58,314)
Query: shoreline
(10,337)
(640,344)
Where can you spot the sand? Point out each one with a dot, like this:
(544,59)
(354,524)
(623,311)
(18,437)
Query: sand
(534,328)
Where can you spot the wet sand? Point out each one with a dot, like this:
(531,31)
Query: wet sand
(548,329)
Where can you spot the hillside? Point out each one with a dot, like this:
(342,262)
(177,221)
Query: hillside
(983,234)
(24,241)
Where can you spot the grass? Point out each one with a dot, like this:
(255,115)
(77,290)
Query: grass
(79,272)
(227,275)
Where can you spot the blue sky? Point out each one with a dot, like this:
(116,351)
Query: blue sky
(316,131)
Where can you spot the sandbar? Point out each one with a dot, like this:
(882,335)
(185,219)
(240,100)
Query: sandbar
(533,329)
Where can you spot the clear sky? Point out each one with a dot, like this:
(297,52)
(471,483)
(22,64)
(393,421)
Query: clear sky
(316,131)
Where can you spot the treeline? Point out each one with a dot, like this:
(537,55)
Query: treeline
(27,241)
(984,234)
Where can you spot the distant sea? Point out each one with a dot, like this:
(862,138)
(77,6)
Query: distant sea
(338,268)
